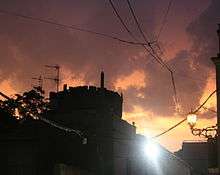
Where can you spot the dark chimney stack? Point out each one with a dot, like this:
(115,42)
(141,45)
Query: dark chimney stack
(64,87)
(102,83)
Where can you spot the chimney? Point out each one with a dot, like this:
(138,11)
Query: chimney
(102,80)
(64,87)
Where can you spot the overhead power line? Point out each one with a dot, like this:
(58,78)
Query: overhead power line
(71,27)
(159,60)
(154,52)
(164,20)
(208,109)
(121,20)
(171,72)
(132,35)
(207,99)
(142,32)
(171,128)
(63,128)
(70,130)
(144,36)
(137,23)
(179,123)
(66,129)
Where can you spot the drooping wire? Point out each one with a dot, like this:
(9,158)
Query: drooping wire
(158,59)
(70,130)
(131,34)
(207,99)
(121,20)
(174,89)
(208,109)
(63,128)
(164,19)
(171,128)
(96,33)
(72,27)
(183,120)
(66,129)
(155,54)
(143,35)
(137,23)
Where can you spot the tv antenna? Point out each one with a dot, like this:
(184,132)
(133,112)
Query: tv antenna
(56,79)
(39,81)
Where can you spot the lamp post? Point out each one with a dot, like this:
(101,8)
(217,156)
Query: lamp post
(191,119)
(209,132)
(216,61)
(212,133)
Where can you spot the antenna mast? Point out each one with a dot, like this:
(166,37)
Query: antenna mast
(40,81)
(56,79)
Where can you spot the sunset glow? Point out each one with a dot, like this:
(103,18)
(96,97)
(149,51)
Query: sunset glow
(93,43)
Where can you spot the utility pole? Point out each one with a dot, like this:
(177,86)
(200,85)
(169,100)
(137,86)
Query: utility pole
(57,77)
(216,61)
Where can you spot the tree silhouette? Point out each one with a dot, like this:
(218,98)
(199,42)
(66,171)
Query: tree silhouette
(30,104)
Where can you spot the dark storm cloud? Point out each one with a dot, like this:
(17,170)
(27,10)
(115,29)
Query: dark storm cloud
(191,68)
(26,46)
(159,92)
(41,44)
(202,32)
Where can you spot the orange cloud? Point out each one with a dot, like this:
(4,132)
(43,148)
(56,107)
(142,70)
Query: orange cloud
(71,79)
(136,79)
(209,88)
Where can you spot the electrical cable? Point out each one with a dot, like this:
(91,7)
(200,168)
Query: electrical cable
(115,38)
(156,55)
(137,23)
(207,99)
(179,123)
(171,128)
(63,128)
(130,33)
(159,60)
(164,132)
(72,27)
(70,130)
(164,19)
(143,35)
(121,20)
(208,109)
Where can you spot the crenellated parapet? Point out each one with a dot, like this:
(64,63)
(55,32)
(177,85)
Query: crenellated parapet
(101,101)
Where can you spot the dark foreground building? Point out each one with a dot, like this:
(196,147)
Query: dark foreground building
(200,155)
(106,144)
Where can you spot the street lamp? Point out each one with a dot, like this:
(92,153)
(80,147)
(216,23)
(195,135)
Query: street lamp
(208,132)
(191,119)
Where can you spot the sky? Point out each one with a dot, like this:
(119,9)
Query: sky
(187,41)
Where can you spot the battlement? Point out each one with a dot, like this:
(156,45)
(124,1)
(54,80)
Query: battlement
(88,98)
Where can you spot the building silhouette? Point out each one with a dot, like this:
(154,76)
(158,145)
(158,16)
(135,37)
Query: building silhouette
(84,135)
(200,155)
